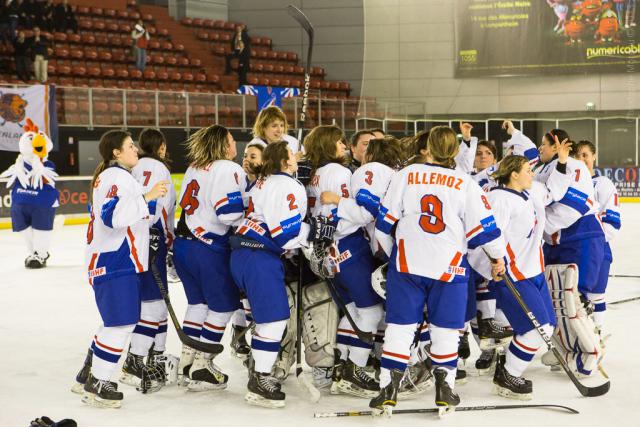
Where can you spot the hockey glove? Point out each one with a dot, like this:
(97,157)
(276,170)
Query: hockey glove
(321,229)
(154,241)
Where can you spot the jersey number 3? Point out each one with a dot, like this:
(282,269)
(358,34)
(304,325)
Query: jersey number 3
(431,218)
(189,202)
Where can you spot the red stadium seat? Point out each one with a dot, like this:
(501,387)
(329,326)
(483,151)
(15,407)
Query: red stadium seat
(187,21)
(179,47)
(122,73)
(119,57)
(108,72)
(59,37)
(94,71)
(149,74)
(175,76)
(74,38)
(201,77)
(102,39)
(208,23)
(171,60)
(162,75)
(85,24)
(112,27)
(188,77)
(153,44)
(110,12)
(196,62)
(105,55)
(197,22)
(163,32)
(78,70)
(167,46)
(90,53)
(82,10)
(147,17)
(135,74)
(99,25)
(61,52)
(98,11)
(123,14)
(183,61)
(76,54)
(134,15)
(125,28)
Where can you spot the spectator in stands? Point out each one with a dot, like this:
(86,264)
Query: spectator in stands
(45,21)
(5,36)
(65,18)
(30,8)
(140,37)
(39,46)
(241,49)
(22,8)
(21,49)
(14,17)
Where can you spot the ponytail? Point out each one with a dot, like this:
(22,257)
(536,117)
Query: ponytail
(109,141)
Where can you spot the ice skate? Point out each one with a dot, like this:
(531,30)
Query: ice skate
(387,398)
(264,390)
(446,398)
(204,375)
(101,393)
(132,370)
(83,374)
(356,382)
(510,386)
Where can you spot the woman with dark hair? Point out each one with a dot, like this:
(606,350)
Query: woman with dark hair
(273,226)
(325,152)
(241,49)
(519,208)
(150,334)
(211,202)
(116,255)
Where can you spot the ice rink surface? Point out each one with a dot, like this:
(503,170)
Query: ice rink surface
(48,317)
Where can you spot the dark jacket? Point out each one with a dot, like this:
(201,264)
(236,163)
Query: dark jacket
(39,47)
(245,55)
(21,48)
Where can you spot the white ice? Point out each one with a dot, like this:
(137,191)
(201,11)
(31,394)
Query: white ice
(48,316)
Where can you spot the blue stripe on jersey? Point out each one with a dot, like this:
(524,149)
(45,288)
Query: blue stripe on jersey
(369,201)
(531,153)
(107,211)
(381,224)
(334,216)
(152,206)
(613,218)
(162,328)
(144,330)
(483,182)
(233,205)
(290,229)
(113,358)
(576,199)
(490,232)
(392,364)
(192,332)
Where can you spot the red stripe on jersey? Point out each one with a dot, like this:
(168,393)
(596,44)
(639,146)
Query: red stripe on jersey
(220,202)
(402,257)
(533,350)
(242,229)
(456,259)
(99,344)
(541,259)
(346,331)
(615,200)
(210,326)
(146,322)
(399,356)
(166,227)
(391,217)
(512,264)
(590,202)
(275,230)
(187,322)
(443,356)
(134,251)
(92,264)
(474,230)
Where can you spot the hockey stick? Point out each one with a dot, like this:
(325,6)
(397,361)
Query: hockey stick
(584,390)
(302,19)
(624,300)
(629,276)
(435,410)
(367,337)
(184,338)
(304,382)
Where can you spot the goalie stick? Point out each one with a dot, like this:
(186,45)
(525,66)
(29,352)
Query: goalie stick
(304,382)
(435,410)
(362,335)
(184,338)
(624,300)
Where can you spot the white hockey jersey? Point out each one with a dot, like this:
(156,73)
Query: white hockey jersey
(369,184)
(277,206)
(438,213)
(607,197)
(118,232)
(211,202)
(337,179)
(292,142)
(466,155)
(519,144)
(148,172)
(564,217)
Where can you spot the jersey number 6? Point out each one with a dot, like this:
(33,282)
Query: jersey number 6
(431,218)
(189,202)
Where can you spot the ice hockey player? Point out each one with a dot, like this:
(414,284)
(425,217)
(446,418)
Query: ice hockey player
(34,197)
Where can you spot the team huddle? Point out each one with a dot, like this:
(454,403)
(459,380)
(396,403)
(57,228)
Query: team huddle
(381,255)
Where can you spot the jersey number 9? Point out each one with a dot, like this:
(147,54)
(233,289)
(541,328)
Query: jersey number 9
(431,218)
(189,202)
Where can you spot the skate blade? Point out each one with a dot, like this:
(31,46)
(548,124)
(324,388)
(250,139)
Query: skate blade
(462,381)
(93,400)
(77,388)
(334,388)
(493,344)
(205,386)
(444,409)
(486,371)
(505,392)
(348,388)
(129,379)
(257,400)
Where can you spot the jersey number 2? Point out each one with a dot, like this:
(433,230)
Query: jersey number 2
(189,202)
(431,218)
(292,202)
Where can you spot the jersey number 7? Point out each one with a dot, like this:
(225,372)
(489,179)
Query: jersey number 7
(189,202)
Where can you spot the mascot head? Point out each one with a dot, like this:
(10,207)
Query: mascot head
(34,142)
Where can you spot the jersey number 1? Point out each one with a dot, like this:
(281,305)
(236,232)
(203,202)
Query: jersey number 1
(189,202)
(431,218)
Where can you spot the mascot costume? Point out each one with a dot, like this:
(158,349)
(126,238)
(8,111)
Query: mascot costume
(34,197)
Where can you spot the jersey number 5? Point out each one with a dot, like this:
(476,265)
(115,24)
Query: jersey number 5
(431,218)
(189,202)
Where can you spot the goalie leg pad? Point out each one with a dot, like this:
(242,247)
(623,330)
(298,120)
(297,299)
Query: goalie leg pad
(575,332)
(320,324)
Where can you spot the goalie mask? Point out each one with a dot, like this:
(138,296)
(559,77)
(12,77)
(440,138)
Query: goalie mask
(323,260)
(379,280)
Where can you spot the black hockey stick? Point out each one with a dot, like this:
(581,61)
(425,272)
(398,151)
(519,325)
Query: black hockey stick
(629,276)
(367,337)
(435,410)
(624,300)
(304,22)
(583,389)
(184,338)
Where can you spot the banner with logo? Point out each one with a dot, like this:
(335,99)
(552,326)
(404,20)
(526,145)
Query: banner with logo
(267,96)
(37,103)
(523,37)
(625,178)
(74,196)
